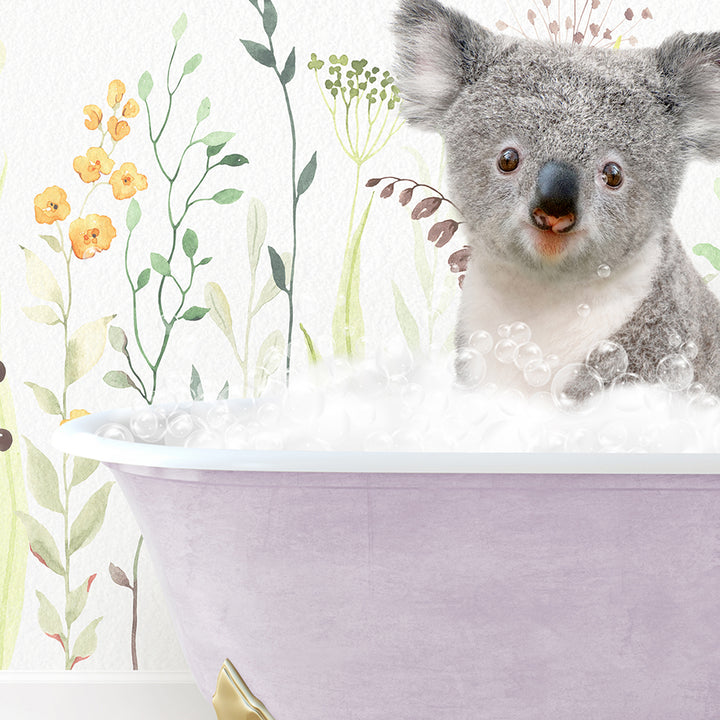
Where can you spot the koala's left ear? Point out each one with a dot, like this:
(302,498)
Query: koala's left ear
(691,64)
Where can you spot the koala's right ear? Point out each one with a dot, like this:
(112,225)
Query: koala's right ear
(439,52)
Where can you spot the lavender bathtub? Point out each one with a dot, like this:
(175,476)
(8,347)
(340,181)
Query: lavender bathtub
(368,586)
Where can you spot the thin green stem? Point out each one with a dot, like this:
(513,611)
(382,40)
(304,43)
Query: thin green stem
(244,362)
(66,516)
(133,631)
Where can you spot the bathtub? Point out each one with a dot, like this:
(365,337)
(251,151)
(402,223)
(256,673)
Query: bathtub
(368,586)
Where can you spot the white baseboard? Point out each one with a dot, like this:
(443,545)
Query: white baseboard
(101,696)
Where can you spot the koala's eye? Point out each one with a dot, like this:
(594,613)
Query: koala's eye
(509,160)
(612,175)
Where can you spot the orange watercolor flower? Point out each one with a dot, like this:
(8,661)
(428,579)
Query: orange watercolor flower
(51,205)
(90,235)
(95,116)
(131,109)
(74,414)
(118,129)
(89,166)
(116,90)
(126,181)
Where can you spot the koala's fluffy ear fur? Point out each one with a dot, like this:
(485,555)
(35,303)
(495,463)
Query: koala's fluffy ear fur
(439,52)
(691,64)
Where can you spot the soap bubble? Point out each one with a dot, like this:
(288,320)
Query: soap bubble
(303,403)
(505,350)
(576,388)
(674,338)
(705,401)
(527,352)
(470,366)
(612,436)
(147,425)
(520,333)
(394,358)
(689,350)
(511,401)
(268,414)
(203,438)
(482,341)
(219,416)
(405,439)
(267,441)
(675,372)
(624,393)
(503,330)
(412,396)
(115,431)
(553,361)
(537,373)
(583,310)
(368,380)
(608,359)
(581,440)
(378,441)
(604,271)
(237,436)
(179,425)
(695,389)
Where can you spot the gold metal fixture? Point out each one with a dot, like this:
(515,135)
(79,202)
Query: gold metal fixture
(233,699)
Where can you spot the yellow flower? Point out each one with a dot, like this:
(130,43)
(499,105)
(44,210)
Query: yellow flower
(90,166)
(51,205)
(75,414)
(91,234)
(94,114)
(118,128)
(116,90)
(131,109)
(126,181)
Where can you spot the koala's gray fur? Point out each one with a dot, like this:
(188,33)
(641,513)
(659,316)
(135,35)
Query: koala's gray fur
(650,110)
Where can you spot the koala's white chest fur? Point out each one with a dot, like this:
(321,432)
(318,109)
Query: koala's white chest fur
(494,294)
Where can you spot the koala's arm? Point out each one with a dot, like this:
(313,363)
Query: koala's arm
(679,304)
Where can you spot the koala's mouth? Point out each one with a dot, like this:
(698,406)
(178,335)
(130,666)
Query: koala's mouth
(552,244)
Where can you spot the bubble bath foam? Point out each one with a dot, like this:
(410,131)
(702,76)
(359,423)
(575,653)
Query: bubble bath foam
(367,585)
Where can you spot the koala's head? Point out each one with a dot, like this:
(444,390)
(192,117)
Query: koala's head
(561,158)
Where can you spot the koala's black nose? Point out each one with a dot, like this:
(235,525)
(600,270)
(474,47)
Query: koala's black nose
(556,196)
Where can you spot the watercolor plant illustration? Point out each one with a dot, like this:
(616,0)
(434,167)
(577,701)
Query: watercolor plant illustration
(581,25)
(364,108)
(84,238)
(171,291)
(270,354)
(709,251)
(437,292)
(265,55)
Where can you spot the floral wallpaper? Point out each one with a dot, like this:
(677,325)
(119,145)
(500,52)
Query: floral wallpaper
(198,202)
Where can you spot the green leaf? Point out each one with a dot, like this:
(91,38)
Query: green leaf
(118,339)
(224,393)
(408,324)
(53,242)
(179,27)
(227,197)
(709,277)
(270,356)
(40,280)
(270,291)
(269,18)
(234,160)
(220,313)
(709,252)
(204,261)
(288,72)
(86,642)
(90,519)
(307,175)
(48,617)
(313,355)
(76,601)
(145,85)
(190,243)
(195,313)
(256,232)
(192,64)
(203,110)
(716,187)
(196,388)
(83,468)
(215,149)
(259,53)
(41,543)
(217,138)
(43,314)
(85,348)
(42,479)
(160,264)
(46,399)
(118,379)
(348,327)
(132,218)
(143,279)
(278,268)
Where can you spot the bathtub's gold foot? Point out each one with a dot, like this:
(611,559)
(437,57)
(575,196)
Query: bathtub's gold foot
(233,700)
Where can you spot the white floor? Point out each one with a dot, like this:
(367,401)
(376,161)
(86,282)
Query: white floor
(101,696)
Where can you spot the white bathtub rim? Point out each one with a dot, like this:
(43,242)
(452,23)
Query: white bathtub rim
(78,437)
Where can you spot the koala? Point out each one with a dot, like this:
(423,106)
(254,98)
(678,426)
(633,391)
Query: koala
(566,162)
